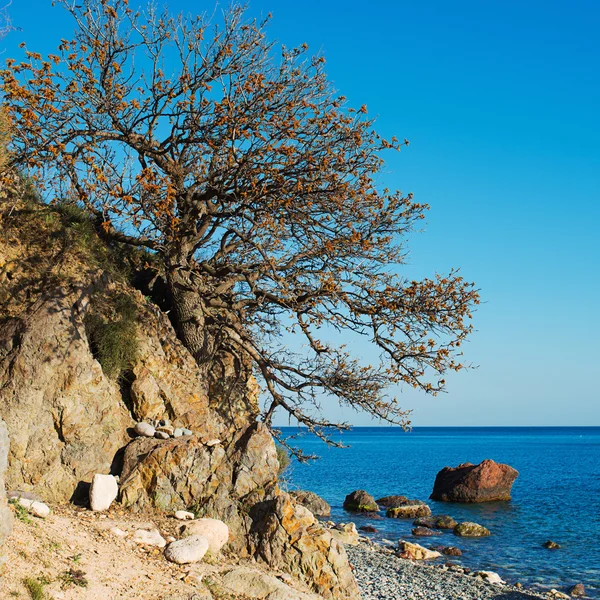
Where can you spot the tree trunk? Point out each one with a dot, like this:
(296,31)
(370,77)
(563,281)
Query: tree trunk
(190,317)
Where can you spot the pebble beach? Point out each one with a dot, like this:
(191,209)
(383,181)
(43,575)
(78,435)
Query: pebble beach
(383,576)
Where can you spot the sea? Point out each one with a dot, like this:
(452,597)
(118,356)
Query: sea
(555,497)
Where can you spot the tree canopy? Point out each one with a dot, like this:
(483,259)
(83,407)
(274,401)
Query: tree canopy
(255,186)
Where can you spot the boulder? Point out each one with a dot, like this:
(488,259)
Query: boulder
(448,550)
(425,532)
(346,533)
(214,530)
(392,501)
(144,429)
(551,545)
(468,529)
(360,501)
(486,482)
(490,577)
(247,582)
(577,591)
(415,551)
(6,517)
(436,522)
(409,511)
(103,492)
(150,537)
(367,529)
(187,550)
(314,503)
(292,541)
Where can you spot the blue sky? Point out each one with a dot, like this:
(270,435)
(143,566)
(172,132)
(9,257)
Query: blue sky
(500,103)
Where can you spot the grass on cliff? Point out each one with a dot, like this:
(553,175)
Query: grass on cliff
(112,331)
(283,457)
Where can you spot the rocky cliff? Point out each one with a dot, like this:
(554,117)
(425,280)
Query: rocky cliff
(70,410)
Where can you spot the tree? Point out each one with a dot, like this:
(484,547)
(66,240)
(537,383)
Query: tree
(255,186)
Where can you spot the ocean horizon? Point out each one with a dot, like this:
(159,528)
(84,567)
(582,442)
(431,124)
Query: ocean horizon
(555,497)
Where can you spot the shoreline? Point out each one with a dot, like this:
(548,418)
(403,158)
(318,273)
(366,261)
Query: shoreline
(383,576)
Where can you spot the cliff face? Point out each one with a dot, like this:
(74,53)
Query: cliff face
(69,419)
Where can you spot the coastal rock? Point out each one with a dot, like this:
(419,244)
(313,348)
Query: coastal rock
(314,503)
(292,541)
(214,530)
(368,529)
(103,492)
(468,529)
(577,591)
(187,550)
(436,522)
(360,501)
(415,551)
(184,515)
(448,550)
(490,577)
(551,545)
(425,532)
(392,501)
(6,517)
(150,537)
(346,533)
(252,583)
(557,595)
(486,482)
(409,511)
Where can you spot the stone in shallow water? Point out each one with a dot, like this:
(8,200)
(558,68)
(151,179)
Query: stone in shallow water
(425,532)
(409,511)
(490,577)
(551,545)
(577,590)
(468,529)
(360,501)
(187,550)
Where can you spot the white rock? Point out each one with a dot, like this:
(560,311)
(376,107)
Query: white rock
(162,435)
(38,509)
(215,531)
(118,532)
(187,550)
(184,515)
(178,432)
(187,431)
(558,595)
(211,443)
(149,538)
(103,491)
(144,429)
(490,577)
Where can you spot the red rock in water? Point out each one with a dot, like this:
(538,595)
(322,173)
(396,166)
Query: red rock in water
(485,482)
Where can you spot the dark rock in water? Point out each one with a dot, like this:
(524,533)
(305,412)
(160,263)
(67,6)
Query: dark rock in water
(392,501)
(425,532)
(373,515)
(368,529)
(451,551)
(468,529)
(551,545)
(486,482)
(409,511)
(314,503)
(360,501)
(436,522)
(578,590)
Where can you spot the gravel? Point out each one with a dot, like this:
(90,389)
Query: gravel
(382,576)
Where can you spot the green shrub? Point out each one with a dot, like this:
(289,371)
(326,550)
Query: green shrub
(114,338)
(283,457)
(35,588)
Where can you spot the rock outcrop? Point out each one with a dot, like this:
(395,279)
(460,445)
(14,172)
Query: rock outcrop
(486,482)
(70,418)
(360,501)
(6,518)
(288,537)
(313,502)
